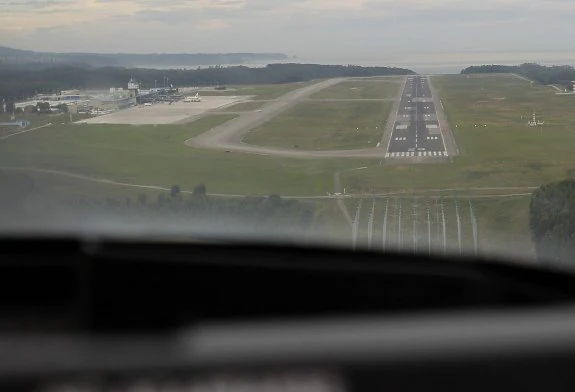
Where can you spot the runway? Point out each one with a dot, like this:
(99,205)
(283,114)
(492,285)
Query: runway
(416,134)
(417,131)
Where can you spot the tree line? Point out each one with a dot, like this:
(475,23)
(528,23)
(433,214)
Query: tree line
(552,221)
(192,209)
(22,82)
(10,56)
(557,74)
(251,213)
(551,212)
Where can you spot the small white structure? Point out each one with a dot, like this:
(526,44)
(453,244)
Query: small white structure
(533,122)
(133,88)
(133,85)
(194,98)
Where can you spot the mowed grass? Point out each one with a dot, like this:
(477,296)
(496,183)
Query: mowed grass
(156,155)
(244,106)
(324,126)
(502,224)
(52,194)
(503,227)
(259,92)
(506,152)
(54,186)
(36,120)
(361,89)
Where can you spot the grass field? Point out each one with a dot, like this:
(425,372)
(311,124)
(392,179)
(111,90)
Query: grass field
(35,119)
(62,187)
(504,153)
(361,89)
(149,155)
(56,198)
(260,92)
(244,106)
(324,126)
(502,225)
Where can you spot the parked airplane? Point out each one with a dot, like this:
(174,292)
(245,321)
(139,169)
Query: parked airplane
(194,98)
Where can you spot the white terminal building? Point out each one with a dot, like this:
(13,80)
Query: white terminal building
(114,97)
(66,97)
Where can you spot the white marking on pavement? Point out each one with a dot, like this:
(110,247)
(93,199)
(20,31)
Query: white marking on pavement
(406,154)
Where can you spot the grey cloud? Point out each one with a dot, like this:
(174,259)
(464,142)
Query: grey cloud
(168,17)
(32,4)
(380,28)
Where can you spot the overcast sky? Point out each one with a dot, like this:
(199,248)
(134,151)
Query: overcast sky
(307,28)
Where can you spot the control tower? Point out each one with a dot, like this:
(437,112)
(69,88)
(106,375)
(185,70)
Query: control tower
(133,87)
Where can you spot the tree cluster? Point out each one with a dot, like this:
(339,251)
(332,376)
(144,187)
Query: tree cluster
(27,57)
(562,75)
(552,221)
(21,82)
(196,209)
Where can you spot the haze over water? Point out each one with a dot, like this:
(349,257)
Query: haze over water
(428,63)
(442,63)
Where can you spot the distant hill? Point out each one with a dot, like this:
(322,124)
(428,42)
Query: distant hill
(20,82)
(10,56)
(492,68)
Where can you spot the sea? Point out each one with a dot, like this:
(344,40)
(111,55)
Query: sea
(421,62)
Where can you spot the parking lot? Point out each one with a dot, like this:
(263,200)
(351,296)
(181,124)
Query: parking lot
(165,113)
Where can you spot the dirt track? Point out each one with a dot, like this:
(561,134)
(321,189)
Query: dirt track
(475,193)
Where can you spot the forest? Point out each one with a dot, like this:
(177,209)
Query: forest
(10,56)
(19,83)
(558,74)
(552,221)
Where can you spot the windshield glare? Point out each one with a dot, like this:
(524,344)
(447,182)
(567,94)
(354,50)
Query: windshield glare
(387,126)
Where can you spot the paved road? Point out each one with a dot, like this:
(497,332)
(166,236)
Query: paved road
(417,131)
(350,99)
(421,139)
(522,77)
(26,130)
(229,135)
